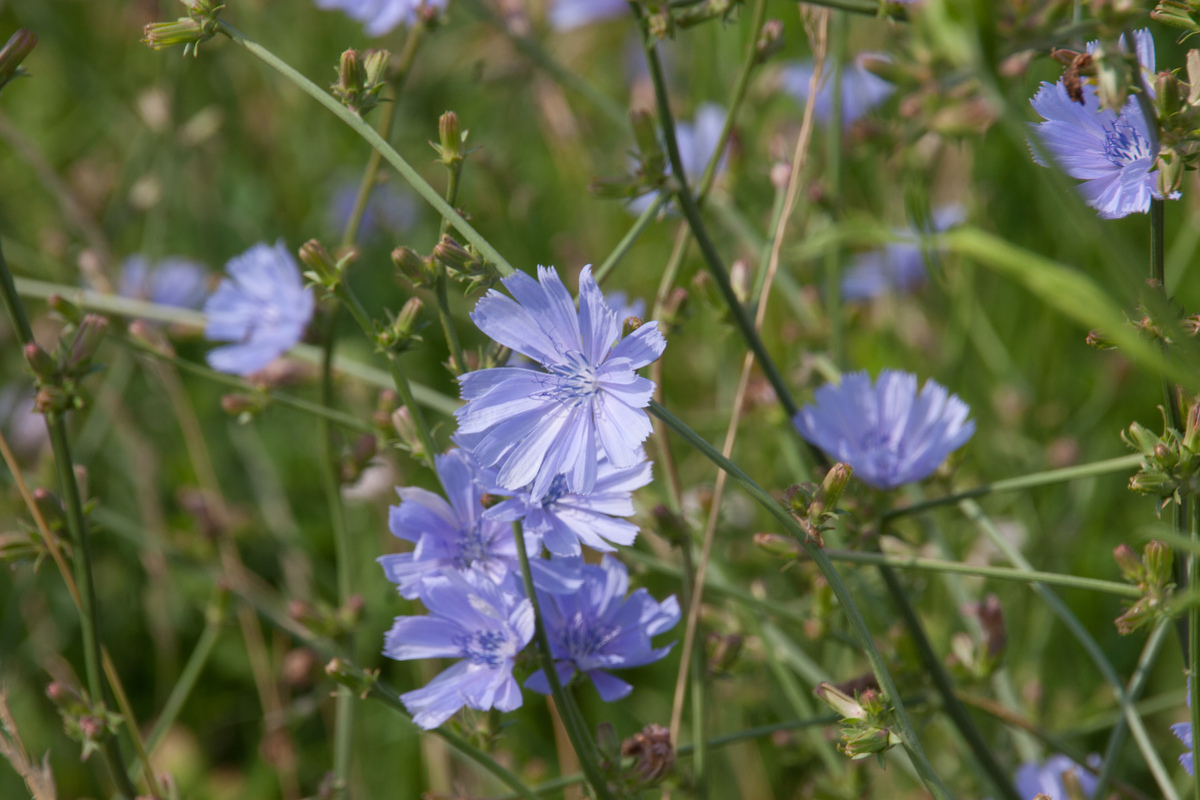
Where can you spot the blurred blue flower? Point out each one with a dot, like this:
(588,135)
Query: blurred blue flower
(457,537)
(566,15)
(1033,779)
(598,628)
(171,282)
(534,425)
(888,433)
(1109,152)
(899,266)
(388,210)
(263,306)
(862,89)
(1183,730)
(625,308)
(564,519)
(697,142)
(381,16)
(469,618)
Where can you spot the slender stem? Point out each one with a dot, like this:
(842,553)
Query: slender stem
(631,236)
(580,739)
(953,707)
(458,362)
(982,571)
(859,625)
(1193,565)
(833,181)
(364,130)
(691,212)
(1096,468)
(131,725)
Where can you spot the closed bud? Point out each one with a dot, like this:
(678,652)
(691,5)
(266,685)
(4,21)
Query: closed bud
(609,746)
(87,340)
(375,65)
(1193,71)
(451,138)
(183,31)
(361,79)
(1177,14)
(777,544)
(629,325)
(770,39)
(454,256)
(406,431)
(65,308)
(839,701)
(826,499)
(351,75)
(322,268)
(15,50)
(1170,171)
(41,362)
(402,330)
(1159,562)
(242,406)
(417,270)
(1167,94)
(797,498)
(1128,562)
(860,743)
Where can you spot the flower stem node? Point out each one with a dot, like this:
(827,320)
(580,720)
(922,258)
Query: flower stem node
(15,50)
(402,329)
(322,269)
(87,723)
(815,507)
(866,725)
(358,680)
(361,78)
(191,31)
(1153,575)
(1170,463)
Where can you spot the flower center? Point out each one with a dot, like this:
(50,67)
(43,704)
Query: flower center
(583,637)
(1123,144)
(577,381)
(474,546)
(483,648)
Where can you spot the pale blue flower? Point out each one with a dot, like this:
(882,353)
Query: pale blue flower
(171,282)
(564,519)
(1034,779)
(697,143)
(862,89)
(625,308)
(263,306)
(900,265)
(381,16)
(567,15)
(388,210)
(456,536)
(598,628)
(886,432)
(1183,730)
(586,402)
(472,619)
(1111,153)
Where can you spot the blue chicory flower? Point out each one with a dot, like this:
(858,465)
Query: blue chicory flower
(862,89)
(1033,779)
(586,402)
(388,210)
(1109,152)
(598,628)
(886,432)
(625,308)
(1183,731)
(900,265)
(564,519)
(697,142)
(379,17)
(263,306)
(457,537)
(567,15)
(472,619)
(171,282)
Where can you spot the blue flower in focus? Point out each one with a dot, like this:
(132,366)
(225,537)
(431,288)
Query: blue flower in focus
(625,308)
(566,15)
(586,402)
(457,537)
(862,89)
(263,306)
(472,619)
(899,266)
(697,142)
(1034,779)
(1111,153)
(598,628)
(381,16)
(388,209)
(886,432)
(564,520)
(171,282)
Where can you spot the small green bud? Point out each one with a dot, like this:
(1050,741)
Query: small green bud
(451,138)
(65,308)
(51,400)
(418,271)
(355,678)
(454,256)
(826,499)
(777,544)
(42,363)
(1170,171)
(860,743)
(797,498)
(770,39)
(191,31)
(15,50)
(361,79)
(1130,565)
(1167,94)
(406,431)
(88,337)
(1159,562)
(402,330)
(839,701)
(629,325)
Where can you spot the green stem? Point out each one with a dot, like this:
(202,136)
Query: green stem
(372,138)
(458,362)
(631,236)
(580,739)
(833,143)
(859,625)
(699,730)
(1092,470)
(1193,564)
(999,573)
(973,512)
(945,687)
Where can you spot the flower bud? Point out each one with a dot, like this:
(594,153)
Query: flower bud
(451,138)
(15,50)
(322,269)
(797,498)
(839,701)
(1159,562)
(41,362)
(1170,171)
(652,754)
(629,325)
(777,544)
(402,330)
(454,256)
(406,431)
(1193,70)
(184,31)
(87,340)
(65,308)
(770,40)
(1167,94)
(826,498)
(51,400)
(1177,14)
(1128,562)
(860,743)
(360,79)
(355,678)
(418,271)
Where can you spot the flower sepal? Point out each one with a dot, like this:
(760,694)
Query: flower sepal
(191,31)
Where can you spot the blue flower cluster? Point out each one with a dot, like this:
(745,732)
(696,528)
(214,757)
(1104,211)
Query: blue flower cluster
(559,437)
